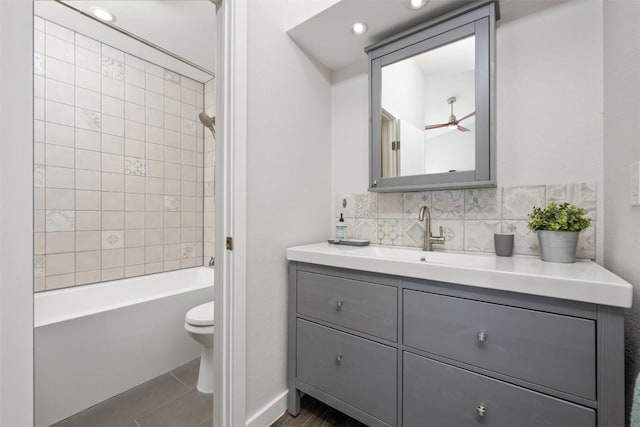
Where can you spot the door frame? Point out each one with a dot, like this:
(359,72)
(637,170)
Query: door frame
(230,216)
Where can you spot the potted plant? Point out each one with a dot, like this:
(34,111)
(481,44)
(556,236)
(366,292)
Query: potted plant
(558,227)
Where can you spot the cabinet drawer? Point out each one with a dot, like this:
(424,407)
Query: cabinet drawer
(361,306)
(352,369)
(437,394)
(551,350)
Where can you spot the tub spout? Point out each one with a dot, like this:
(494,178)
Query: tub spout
(212,262)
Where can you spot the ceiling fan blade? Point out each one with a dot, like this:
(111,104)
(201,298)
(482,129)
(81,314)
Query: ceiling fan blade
(460,128)
(436,126)
(467,116)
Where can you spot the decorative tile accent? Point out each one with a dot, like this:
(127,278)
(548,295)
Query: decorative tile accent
(38,64)
(113,239)
(188,250)
(390,205)
(60,220)
(112,68)
(447,204)
(171,203)
(582,195)
(587,242)
(525,240)
(38,176)
(478,235)
(89,120)
(412,202)
(482,203)
(413,233)
(453,231)
(134,166)
(367,229)
(390,232)
(366,205)
(39,262)
(172,77)
(517,202)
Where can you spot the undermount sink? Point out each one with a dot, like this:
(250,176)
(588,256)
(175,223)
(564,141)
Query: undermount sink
(409,254)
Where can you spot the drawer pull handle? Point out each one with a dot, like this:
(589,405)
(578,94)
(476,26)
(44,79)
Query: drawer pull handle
(339,304)
(339,358)
(482,337)
(481,411)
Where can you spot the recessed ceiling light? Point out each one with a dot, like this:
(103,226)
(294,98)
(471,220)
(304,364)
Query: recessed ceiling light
(417,4)
(359,28)
(102,14)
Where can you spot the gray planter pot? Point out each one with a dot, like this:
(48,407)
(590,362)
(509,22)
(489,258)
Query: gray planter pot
(558,246)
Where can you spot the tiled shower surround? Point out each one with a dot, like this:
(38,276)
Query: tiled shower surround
(469,217)
(119,163)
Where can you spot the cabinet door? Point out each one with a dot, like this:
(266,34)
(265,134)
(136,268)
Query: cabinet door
(439,395)
(359,372)
(364,307)
(552,350)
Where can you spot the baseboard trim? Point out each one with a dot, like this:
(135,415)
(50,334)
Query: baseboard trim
(270,413)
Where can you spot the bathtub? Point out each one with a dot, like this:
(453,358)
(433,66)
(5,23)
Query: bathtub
(93,342)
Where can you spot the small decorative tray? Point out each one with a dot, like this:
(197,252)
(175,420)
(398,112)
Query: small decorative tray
(349,242)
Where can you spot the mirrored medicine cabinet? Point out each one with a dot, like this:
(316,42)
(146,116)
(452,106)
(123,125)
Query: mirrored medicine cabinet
(432,104)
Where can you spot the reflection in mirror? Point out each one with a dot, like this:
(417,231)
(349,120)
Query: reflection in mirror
(428,111)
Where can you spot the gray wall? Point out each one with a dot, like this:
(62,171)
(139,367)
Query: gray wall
(621,148)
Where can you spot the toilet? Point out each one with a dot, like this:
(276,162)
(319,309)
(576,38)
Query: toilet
(199,324)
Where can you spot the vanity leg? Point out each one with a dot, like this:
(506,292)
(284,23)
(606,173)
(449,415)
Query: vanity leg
(293,402)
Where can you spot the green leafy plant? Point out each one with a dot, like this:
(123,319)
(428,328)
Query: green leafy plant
(558,217)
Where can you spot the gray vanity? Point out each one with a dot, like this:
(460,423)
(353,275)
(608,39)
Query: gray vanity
(406,350)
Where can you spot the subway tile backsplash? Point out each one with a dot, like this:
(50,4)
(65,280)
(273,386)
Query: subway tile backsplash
(119,164)
(469,218)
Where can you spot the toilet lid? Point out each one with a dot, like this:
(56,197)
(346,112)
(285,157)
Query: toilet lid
(201,315)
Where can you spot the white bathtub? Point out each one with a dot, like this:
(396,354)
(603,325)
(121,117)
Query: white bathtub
(93,342)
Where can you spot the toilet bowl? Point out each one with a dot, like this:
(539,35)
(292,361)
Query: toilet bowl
(198,323)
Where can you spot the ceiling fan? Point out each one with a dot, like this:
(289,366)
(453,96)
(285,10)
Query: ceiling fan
(453,123)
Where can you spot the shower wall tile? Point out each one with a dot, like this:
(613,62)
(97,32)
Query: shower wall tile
(86,277)
(119,163)
(469,218)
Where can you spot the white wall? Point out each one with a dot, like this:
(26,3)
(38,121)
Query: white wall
(621,148)
(16,180)
(349,131)
(403,91)
(549,100)
(288,186)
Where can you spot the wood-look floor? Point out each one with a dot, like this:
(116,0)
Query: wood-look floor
(314,413)
(170,400)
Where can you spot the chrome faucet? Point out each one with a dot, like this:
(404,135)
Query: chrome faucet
(429,239)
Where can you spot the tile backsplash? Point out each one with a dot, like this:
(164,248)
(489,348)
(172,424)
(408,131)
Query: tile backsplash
(119,163)
(469,218)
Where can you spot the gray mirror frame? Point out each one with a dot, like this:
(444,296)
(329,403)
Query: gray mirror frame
(475,19)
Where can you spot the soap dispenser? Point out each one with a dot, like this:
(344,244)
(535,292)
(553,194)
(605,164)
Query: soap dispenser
(341,229)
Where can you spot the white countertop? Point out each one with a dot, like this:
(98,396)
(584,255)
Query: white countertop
(581,281)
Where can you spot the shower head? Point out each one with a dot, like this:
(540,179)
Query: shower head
(209,122)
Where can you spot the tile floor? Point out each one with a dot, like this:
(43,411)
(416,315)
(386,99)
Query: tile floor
(170,400)
(314,413)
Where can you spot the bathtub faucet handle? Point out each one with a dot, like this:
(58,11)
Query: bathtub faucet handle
(212,262)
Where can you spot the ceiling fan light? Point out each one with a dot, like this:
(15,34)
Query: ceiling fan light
(452,126)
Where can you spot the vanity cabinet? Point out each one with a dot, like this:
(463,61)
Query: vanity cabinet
(395,351)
